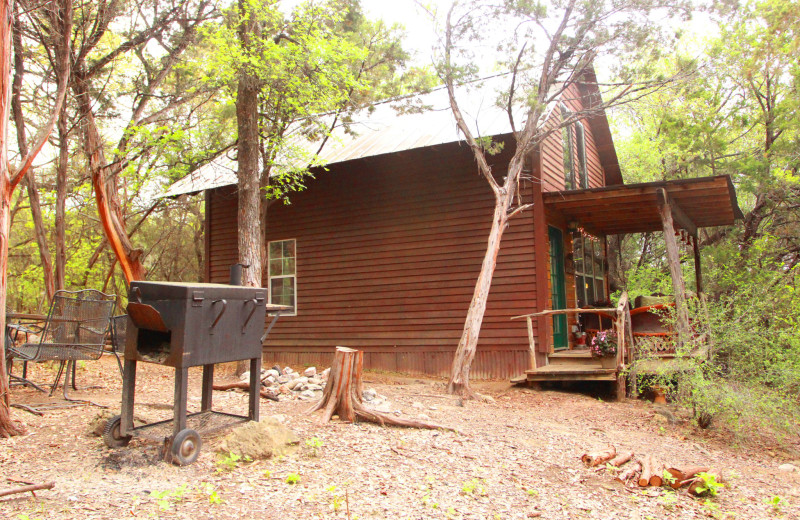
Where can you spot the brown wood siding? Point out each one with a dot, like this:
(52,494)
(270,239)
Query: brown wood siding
(388,251)
(552,156)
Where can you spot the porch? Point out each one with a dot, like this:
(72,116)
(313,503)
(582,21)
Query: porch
(675,208)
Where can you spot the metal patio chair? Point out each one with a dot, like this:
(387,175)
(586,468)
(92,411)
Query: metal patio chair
(75,329)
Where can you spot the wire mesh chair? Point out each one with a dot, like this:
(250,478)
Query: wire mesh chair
(119,326)
(75,329)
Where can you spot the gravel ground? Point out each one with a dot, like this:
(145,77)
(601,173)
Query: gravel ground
(516,457)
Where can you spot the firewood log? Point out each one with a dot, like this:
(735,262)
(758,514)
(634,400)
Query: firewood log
(621,458)
(682,474)
(595,458)
(647,470)
(657,476)
(697,486)
(630,472)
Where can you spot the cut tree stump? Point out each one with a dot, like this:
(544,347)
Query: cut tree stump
(595,458)
(344,391)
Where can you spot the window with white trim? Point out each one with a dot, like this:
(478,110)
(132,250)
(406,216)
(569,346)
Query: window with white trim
(283,274)
(589,259)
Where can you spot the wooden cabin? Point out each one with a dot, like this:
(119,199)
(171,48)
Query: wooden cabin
(382,250)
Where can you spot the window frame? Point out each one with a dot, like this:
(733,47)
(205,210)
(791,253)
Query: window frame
(573,152)
(580,152)
(282,276)
(598,280)
(567,150)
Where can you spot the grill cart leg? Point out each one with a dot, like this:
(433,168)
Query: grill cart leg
(181,386)
(208,383)
(255,388)
(128,390)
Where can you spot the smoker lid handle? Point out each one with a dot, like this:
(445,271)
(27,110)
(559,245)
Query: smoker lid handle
(221,312)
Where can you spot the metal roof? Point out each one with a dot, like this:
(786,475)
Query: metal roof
(388,127)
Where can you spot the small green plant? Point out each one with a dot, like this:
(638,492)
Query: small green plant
(210,491)
(230,461)
(315,444)
(473,487)
(710,485)
(668,500)
(292,479)
(532,492)
(267,473)
(667,477)
(776,503)
(166,498)
(451,512)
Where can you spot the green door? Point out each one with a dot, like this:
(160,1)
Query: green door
(558,287)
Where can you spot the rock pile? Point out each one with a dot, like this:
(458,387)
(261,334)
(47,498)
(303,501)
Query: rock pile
(285,383)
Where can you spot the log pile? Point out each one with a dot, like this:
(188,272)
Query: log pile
(648,471)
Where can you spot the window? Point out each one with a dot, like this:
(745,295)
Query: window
(283,274)
(589,259)
(580,149)
(573,144)
(566,145)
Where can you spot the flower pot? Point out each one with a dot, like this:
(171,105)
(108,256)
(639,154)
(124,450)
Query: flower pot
(608,362)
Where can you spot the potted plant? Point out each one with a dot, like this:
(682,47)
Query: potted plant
(604,347)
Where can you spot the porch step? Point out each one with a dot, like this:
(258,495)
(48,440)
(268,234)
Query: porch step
(571,373)
(572,357)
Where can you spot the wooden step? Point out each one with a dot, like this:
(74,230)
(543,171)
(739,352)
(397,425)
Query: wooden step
(572,357)
(571,373)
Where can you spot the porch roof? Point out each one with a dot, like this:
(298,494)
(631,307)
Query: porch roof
(633,208)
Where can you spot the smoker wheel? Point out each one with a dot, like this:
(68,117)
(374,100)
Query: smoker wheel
(111,433)
(186,447)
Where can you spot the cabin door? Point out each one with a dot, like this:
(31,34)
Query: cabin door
(558,287)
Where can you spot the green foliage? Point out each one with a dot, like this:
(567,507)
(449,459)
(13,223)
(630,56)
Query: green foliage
(230,461)
(710,485)
(315,444)
(776,503)
(292,479)
(473,487)
(168,497)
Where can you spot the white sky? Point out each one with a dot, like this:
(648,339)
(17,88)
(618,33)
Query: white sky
(420,32)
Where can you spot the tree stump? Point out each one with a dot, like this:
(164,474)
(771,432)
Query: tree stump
(343,394)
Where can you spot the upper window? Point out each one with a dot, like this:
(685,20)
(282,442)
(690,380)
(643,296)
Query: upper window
(566,145)
(283,274)
(573,144)
(589,259)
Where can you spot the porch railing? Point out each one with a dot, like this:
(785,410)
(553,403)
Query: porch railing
(622,327)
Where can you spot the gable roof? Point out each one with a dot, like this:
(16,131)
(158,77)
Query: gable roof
(381,129)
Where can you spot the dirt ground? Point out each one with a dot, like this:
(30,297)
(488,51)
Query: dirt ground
(515,458)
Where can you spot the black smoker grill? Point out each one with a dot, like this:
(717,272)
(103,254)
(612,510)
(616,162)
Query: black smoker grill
(185,325)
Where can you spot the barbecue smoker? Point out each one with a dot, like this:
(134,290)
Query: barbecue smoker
(185,325)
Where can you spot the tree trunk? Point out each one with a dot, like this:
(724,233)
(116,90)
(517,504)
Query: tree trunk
(343,394)
(30,181)
(61,19)
(109,210)
(61,201)
(468,344)
(7,426)
(673,261)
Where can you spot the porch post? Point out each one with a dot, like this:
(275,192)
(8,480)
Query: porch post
(665,211)
(698,272)
(541,244)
